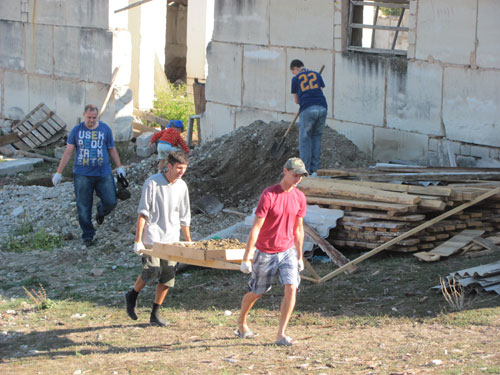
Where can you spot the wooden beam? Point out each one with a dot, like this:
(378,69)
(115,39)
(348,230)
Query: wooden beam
(35,155)
(389,207)
(133,5)
(410,233)
(324,187)
(110,91)
(336,256)
(150,117)
(8,139)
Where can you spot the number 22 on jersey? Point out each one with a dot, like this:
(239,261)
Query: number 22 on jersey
(308,81)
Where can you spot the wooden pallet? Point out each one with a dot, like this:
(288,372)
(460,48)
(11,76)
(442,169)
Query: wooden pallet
(40,127)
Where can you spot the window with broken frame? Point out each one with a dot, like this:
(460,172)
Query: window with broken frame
(378,26)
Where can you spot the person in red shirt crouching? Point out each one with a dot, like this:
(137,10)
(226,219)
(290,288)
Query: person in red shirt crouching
(169,140)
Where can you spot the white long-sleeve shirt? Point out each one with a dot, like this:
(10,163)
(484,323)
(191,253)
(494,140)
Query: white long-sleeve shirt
(165,207)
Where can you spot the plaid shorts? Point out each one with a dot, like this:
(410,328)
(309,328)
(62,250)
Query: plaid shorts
(265,266)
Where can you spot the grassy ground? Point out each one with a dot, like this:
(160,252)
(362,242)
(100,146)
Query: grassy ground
(384,319)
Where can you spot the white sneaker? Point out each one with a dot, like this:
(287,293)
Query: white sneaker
(314,174)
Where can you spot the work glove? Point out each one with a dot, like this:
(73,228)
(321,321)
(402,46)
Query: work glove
(56,179)
(121,172)
(246,266)
(138,248)
(301,265)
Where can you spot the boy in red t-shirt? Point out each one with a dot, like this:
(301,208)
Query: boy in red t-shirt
(278,235)
(168,140)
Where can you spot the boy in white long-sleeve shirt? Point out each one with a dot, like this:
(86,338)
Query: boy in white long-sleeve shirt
(163,211)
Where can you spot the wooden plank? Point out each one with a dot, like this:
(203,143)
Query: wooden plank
(336,256)
(36,155)
(150,117)
(8,139)
(380,215)
(411,233)
(452,246)
(224,254)
(432,204)
(414,189)
(485,243)
(390,207)
(110,91)
(330,188)
(188,255)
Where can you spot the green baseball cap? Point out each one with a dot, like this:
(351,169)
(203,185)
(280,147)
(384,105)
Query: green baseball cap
(296,165)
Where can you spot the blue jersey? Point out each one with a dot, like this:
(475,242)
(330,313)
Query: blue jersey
(307,85)
(92,158)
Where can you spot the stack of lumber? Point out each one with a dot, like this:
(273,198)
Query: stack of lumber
(377,211)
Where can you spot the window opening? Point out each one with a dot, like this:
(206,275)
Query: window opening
(378,26)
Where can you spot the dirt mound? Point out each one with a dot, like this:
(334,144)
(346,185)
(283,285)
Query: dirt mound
(238,166)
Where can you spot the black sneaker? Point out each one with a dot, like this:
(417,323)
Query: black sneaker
(99,219)
(155,320)
(88,242)
(130,303)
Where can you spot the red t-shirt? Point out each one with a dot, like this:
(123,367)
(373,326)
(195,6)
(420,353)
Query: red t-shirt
(280,209)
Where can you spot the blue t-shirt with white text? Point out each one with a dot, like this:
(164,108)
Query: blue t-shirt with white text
(92,158)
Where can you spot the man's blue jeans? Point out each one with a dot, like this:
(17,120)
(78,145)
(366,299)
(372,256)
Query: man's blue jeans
(105,188)
(311,125)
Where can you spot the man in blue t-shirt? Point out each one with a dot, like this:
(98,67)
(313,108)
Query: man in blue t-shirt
(93,141)
(307,90)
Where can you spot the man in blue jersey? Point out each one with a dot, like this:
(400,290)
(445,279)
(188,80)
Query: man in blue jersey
(307,91)
(94,145)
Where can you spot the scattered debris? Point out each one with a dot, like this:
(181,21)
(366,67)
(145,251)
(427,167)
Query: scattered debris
(481,278)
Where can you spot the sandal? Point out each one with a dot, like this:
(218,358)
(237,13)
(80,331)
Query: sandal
(245,335)
(285,341)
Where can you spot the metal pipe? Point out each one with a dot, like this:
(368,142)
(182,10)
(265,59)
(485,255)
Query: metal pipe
(189,137)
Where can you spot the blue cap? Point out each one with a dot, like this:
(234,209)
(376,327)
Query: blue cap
(178,124)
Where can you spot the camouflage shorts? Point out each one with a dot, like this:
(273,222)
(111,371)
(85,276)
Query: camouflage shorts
(158,270)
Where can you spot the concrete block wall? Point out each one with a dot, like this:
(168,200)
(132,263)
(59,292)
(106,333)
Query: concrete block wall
(59,52)
(441,96)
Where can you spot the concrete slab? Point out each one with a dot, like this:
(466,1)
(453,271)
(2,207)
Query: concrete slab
(143,152)
(488,29)
(10,10)
(11,45)
(41,90)
(96,48)
(308,23)
(224,67)
(312,59)
(263,77)
(446,30)
(144,139)
(470,106)
(393,144)
(217,120)
(414,97)
(359,88)
(67,63)
(16,91)
(11,166)
(69,95)
(75,13)
(246,116)
(39,51)
(242,22)
(360,135)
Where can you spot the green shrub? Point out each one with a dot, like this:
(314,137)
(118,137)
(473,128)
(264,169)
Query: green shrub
(174,104)
(390,11)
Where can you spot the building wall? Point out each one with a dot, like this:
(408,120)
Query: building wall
(63,53)
(444,93)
